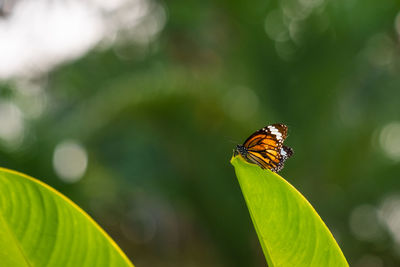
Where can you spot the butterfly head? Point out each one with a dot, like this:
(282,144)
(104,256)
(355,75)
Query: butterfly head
(240,149)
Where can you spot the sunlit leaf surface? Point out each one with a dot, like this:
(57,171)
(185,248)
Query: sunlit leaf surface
(290,231)
(41,227)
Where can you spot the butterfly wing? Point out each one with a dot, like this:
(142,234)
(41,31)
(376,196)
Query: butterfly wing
(286,152)
(272,135)
(265,147)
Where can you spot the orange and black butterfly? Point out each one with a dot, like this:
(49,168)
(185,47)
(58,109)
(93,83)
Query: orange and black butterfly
(265,147)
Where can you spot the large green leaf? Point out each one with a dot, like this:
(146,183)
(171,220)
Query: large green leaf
(41,227)
(290,231)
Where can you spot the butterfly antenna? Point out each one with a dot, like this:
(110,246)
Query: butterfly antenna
(230,140)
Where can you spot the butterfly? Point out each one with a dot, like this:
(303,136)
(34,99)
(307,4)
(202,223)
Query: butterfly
(265,147)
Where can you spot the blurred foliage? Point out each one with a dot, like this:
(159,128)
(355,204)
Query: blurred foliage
(159,121)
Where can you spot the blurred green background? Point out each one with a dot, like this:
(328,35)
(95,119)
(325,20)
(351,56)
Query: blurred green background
(132,109)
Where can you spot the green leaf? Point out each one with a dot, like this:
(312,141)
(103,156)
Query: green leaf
(290,231)
(41,227)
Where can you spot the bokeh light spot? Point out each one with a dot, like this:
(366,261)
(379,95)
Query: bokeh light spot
(397,23)
(389,214)
(275,27)
(11,124)
(70,161)
(368,260)
(32,98)
(241,103)
(140,228)
(364,223)
(389,140)
(380,50)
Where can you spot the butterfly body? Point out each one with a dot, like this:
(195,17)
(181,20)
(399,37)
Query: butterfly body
(265,147)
